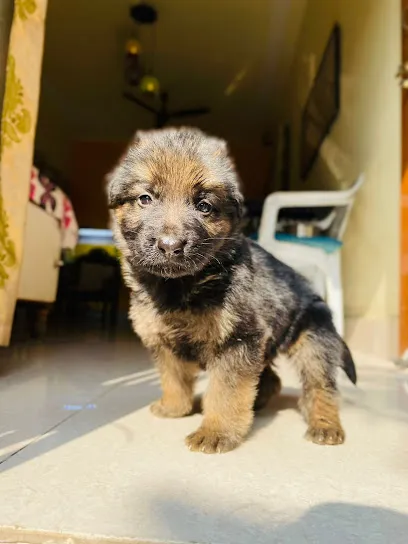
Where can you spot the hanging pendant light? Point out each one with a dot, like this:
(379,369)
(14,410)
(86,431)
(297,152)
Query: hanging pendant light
(133,47)
(133,68)
(139,69)
(149,85)
(145,15)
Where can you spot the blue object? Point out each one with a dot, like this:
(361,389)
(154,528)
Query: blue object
(329,245)
(95,236)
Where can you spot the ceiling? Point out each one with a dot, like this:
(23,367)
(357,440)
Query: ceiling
(230,55)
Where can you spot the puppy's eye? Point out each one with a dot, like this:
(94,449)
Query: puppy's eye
(145,200)
(204,207)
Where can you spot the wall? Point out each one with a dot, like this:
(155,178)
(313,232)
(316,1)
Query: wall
(90,161)
(88,165)
(253,162)
(366,138)
(52,141)
(54,132)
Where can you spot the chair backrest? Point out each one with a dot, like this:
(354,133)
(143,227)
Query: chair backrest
(339,224)
(351,191)
(340,201)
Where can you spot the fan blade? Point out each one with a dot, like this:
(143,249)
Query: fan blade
(188,113)
(133,98)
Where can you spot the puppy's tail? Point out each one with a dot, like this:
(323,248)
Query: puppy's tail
(348,364)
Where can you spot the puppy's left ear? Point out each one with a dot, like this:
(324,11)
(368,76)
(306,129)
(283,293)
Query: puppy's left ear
(239,206)
(219,147)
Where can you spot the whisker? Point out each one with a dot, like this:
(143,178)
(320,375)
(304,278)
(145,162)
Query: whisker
(217,238)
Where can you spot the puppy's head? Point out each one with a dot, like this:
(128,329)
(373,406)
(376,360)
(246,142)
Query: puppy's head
(175,201)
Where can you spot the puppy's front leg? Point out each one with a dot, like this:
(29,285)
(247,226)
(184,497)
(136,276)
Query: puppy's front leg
(177,381)
(228,412)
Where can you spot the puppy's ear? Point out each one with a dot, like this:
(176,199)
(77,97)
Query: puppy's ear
(218,147)
(120,172)
(132,145)
(239,207)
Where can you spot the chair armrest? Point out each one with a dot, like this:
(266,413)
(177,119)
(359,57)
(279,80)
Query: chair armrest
(307,199)
(300,199)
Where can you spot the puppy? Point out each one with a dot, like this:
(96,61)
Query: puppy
(205,297)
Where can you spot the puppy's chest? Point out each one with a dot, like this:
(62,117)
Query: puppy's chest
(191,336)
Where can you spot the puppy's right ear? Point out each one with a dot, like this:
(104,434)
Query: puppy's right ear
(137,136)
(126,153)
(132,145)
(118,178)
(219,147)
(239,207)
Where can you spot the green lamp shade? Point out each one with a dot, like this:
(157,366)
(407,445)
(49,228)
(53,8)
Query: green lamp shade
(149,85)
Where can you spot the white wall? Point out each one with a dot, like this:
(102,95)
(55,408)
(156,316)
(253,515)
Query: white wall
(366,138)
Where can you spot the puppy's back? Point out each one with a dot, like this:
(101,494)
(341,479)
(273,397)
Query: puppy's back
(292,308)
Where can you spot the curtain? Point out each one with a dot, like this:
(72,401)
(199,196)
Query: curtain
(18,122)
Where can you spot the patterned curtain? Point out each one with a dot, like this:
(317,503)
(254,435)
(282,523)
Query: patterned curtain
(19,117)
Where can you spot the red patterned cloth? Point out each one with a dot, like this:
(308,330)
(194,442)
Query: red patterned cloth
(50,198)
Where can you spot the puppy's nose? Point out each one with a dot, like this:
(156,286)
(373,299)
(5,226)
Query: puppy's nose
(170,245)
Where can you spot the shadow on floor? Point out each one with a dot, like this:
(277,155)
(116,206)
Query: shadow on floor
(44,386)
(334,523)
(53,393)
(47,388)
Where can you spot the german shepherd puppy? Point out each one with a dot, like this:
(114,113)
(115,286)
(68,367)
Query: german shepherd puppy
(205,297)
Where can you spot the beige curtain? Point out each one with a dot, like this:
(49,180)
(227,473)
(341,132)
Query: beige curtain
(19,117)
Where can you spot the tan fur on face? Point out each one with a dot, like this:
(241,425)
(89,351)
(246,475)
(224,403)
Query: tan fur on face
(176,176)
(219,229)
(165,169)
(119,212)
(178,173)
(130,212)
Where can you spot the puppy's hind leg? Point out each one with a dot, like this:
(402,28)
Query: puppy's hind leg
(269,385)
(317,354)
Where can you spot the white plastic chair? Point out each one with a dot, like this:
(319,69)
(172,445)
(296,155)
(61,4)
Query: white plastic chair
(323,269)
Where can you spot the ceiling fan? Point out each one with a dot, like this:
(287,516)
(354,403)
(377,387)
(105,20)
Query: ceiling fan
(145,14)
(162,113)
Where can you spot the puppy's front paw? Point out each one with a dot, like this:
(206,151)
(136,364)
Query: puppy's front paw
(162,409)
(323,434)
(210,441)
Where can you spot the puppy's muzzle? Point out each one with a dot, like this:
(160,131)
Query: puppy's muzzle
(171,246)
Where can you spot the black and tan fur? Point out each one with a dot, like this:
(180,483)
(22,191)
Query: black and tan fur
(218,301)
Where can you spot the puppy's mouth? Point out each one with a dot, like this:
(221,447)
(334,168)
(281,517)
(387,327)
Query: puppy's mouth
(168,270)
(186,265)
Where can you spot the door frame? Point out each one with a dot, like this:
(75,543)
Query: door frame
(403,302)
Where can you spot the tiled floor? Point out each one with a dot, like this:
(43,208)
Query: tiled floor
(81,454)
